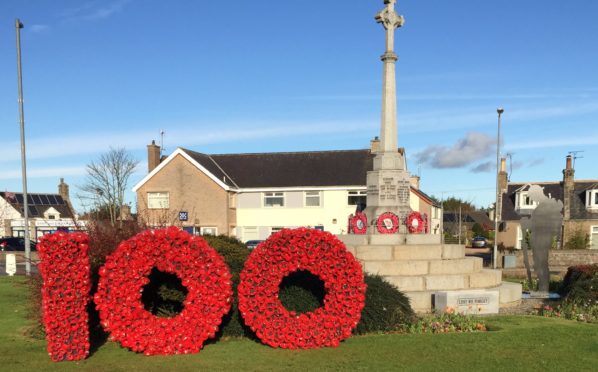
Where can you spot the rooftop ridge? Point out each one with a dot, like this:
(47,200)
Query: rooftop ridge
(277,153)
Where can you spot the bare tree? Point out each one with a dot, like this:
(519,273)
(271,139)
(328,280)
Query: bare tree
(107,180)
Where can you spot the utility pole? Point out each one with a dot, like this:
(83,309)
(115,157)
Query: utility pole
(498,204)
(19,26)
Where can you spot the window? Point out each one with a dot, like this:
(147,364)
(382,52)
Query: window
(209,231)
(51,216)
(158,200)
(273,199)
(356,197)
(275,230)
(312,199)
(592,199)
(524,201)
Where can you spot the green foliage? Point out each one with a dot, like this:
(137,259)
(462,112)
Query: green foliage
(578,240)
(447,322)
(576,274)
(453,204)
(302,292)
(386,308)
(478,230)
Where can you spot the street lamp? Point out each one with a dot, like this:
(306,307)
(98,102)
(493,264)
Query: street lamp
(499,110)
(19,26)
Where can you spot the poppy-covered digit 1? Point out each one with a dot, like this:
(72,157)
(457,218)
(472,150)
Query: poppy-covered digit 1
(202,272)
(66,285)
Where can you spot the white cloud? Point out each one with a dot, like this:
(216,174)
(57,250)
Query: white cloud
(93,10)
(50,172)
(473,147)
(90,143)
(39,28)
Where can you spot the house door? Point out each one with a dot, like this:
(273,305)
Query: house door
(594,238)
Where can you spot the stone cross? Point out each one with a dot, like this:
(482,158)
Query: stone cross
(391,21)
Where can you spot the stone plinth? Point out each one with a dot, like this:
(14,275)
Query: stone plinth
(422,270)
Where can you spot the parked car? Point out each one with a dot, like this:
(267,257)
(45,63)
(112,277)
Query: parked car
(10,244)
(478,242)
(251,244)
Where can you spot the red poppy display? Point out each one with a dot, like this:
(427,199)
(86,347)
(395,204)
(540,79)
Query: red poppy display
(66,284)
(203,273)
(415,223)
(387,223)
(359,223)
(323,255)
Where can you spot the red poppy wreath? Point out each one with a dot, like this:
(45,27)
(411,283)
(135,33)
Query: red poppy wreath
(201,270)
(66,284)
(387,223)
(415,222)
(284,253)
(359,223)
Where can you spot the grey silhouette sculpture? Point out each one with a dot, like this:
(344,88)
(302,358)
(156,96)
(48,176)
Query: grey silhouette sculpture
(545,223)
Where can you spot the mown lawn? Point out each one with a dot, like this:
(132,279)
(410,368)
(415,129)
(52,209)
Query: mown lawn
(514,343)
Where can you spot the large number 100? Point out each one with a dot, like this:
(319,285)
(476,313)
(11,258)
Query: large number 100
(65,270)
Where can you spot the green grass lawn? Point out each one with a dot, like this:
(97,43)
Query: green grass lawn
(514,343)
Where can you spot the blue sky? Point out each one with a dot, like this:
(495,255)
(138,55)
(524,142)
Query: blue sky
(264,76)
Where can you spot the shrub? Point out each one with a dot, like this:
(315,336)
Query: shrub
(578,240)
(386,308)
(575,274)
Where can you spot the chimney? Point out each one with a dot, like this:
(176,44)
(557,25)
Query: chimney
(125,213)
(375,145)
(153,156)
(502,176)
(63,190)
(414,182)
(568,186)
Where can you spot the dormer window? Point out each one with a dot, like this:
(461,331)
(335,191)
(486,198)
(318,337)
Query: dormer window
(523,201)
(592,199)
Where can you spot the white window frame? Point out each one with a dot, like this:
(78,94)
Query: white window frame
(355,193)
(158,200)
(312,195)
(522,196)
(207,230)
(592,199)
(274,194)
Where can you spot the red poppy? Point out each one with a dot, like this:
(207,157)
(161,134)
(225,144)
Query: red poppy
(323,255)
(66,284)
(201,270)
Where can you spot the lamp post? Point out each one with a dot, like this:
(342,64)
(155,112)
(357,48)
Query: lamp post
(499,110)
(19,26)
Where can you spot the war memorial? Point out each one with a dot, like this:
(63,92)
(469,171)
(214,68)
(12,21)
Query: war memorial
(388,241)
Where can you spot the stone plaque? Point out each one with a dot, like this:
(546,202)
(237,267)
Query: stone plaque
(468,302)
(11,264)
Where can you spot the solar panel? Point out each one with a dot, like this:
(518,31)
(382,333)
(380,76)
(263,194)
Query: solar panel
(32,211)
(30,199)
(59,199)
(52,199)
(19,198)
(36,200)
(44,199)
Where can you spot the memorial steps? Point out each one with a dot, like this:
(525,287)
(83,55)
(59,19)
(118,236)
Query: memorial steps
(420,270)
